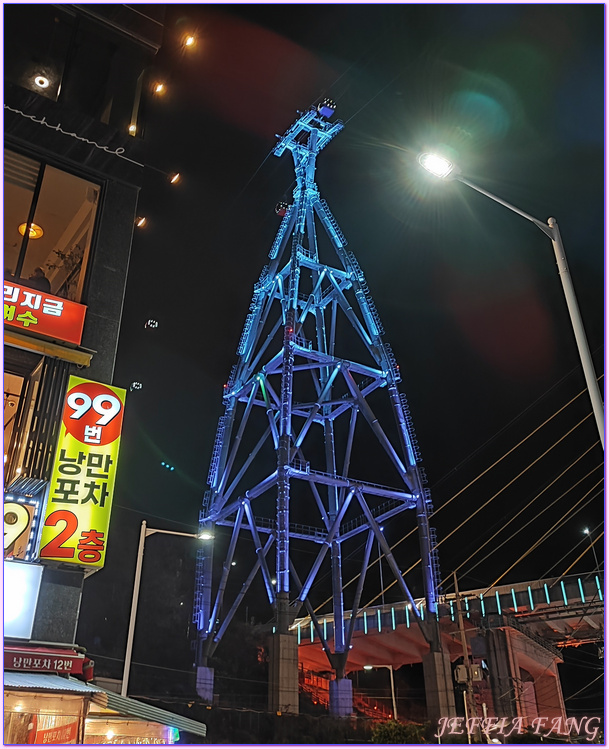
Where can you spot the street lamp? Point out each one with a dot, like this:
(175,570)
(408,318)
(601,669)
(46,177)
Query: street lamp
(144,532)
(445,169)
(586,532)
(382,665)
(378,546)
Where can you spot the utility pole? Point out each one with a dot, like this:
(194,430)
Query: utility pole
(470,704)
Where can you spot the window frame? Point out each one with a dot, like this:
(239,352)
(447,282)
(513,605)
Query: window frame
(98,181)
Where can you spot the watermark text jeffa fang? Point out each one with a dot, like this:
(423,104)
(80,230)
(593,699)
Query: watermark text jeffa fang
(505,727)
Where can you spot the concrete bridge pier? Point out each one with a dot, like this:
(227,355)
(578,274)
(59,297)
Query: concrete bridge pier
(524,676)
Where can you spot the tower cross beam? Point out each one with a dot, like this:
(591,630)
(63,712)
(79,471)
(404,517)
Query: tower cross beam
(297,137)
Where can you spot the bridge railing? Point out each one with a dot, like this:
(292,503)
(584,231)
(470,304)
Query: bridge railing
(536,597)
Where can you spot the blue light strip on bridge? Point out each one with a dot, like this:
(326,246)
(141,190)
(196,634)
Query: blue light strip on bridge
(581,589)
(467,608)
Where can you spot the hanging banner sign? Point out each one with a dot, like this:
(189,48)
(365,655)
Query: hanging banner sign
(77,514)
(35,311)
(45,660)
(67,733)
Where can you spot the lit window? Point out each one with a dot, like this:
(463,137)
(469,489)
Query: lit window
(51,251)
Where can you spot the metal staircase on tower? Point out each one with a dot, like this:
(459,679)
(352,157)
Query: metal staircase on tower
(316,443)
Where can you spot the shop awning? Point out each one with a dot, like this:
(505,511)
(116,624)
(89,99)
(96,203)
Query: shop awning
(80,356)
(46,682)
(127,707)
(123,706)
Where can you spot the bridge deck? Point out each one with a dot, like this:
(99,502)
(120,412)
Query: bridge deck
(555,612)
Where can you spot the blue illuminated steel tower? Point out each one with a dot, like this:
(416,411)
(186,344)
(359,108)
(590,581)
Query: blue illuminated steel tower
(289,456)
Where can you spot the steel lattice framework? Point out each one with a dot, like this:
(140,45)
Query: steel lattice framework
(298,418)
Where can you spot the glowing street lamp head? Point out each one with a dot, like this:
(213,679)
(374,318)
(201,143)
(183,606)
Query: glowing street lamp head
(437,165)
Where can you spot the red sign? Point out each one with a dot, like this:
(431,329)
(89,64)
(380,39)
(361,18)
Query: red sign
(93,413)
(35,311)
(65,734)
(43,660)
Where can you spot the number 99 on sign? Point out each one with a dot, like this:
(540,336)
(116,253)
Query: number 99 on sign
(93,409)
(81,403)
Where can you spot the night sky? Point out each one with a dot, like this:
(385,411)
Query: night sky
(468,292)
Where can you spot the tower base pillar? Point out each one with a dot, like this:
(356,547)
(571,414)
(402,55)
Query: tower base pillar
(205,683)
(439,690)
(283,673)
(341,698)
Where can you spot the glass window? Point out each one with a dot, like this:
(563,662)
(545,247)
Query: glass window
(20,394)
(13,388)
(49,216)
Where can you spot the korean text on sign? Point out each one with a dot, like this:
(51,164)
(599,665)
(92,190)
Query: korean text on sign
(52,316)
(77,515)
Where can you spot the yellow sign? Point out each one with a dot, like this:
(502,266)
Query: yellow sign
(77,514)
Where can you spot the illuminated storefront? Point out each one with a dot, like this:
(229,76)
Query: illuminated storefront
(49,709)
(47,697)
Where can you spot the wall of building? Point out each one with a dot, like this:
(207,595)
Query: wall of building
(74,83)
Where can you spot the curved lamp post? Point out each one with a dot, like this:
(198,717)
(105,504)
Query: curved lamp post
(445,169)
(144,532)
(383,665)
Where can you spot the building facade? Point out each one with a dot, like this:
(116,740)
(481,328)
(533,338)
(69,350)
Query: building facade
(75,81)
